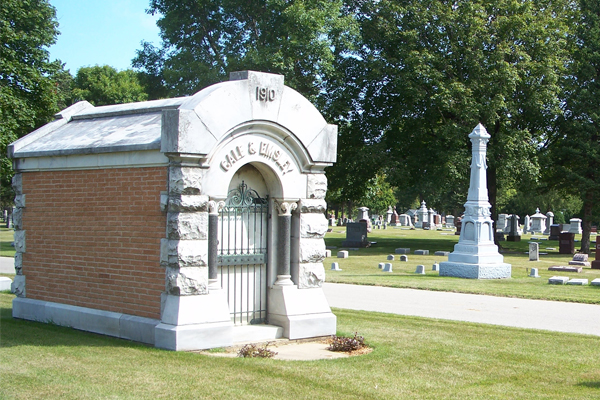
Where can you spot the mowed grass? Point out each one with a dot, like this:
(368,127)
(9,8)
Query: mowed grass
(362,266)
(6,238)
(413,358)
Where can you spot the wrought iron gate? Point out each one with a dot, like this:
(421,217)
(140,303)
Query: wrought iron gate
(242,254)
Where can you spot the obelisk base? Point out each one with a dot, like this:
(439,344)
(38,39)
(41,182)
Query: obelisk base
(475,271)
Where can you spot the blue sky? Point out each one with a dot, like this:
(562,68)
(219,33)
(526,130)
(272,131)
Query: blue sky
(101,32)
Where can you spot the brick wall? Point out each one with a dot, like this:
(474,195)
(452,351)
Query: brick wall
(93,238)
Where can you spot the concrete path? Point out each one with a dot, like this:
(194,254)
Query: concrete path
(7,265)
(521,313)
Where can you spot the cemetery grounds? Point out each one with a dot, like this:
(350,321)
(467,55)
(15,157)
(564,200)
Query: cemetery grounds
(361,267)
(412,357)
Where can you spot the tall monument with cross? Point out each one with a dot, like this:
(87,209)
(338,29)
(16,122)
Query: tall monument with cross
(475,256)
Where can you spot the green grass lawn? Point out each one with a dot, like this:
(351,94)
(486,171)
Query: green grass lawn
(361,266)
(6,238)
(413,358)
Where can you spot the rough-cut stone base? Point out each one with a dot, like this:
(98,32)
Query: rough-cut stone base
(475,271)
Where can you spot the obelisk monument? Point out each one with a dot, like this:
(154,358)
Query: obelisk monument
(475,256)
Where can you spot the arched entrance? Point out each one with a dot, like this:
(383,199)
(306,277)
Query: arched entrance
(243,247)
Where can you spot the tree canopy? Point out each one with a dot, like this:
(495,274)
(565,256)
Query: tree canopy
(205,40)
(30,89)
(103,85)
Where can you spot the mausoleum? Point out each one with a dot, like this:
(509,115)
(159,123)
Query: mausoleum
(186,223)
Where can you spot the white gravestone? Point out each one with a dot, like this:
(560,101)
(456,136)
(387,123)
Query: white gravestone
(342,254)
(387,267)
(420,270)
(534,273)
(422,214)
(575,226)
(538,222)
(403,257)
(335,267)
(534,251)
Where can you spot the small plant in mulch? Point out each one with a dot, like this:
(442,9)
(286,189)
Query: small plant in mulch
(253,350)
(347,344)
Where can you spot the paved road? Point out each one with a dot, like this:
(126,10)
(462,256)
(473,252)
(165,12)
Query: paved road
(521,313)
(7,265)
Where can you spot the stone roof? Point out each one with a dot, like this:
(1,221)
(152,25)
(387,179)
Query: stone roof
(186,125)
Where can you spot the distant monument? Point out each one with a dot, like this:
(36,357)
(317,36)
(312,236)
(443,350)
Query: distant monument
(475,256)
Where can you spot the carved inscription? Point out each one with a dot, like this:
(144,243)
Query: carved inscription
(265,94)
(263,149)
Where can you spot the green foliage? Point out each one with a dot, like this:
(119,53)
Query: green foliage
(378,195)
(205,40)
(30,88)
(104,85)
(426,72)
(574,150)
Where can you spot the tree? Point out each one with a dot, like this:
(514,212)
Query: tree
(29,83)
(205,40)
(103,85)
(427,71)
(574,151)
(379,195)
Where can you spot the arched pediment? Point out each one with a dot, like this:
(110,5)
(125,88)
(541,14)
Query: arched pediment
(205,119)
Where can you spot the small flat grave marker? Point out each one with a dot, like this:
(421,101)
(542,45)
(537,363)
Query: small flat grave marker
(442,253)
(550,248)
(422,252)
(596,282)
(420,270)
(5,283)
(403,250)
(558,280)
(580,282)
(563,268)
(534,273)
(342,254)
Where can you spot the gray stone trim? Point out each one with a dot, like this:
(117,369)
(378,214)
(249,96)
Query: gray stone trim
(131,159)
(108,323)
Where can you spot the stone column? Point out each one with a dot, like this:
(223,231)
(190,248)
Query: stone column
(310,233)
(284,223)
(191,316)
(213,243)
(18,285)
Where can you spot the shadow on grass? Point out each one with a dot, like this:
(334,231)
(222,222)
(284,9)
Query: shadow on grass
(593,385)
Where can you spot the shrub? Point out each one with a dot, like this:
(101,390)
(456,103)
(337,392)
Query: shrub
(347,344)
(253,350)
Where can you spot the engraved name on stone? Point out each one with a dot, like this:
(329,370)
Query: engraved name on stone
(264,149)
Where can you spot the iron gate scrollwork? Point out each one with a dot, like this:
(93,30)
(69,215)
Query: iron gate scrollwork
(242,254)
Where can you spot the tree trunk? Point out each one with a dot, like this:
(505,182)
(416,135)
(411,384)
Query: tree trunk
(588,203)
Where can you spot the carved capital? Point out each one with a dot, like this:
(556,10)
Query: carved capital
(215,206)
(285,208)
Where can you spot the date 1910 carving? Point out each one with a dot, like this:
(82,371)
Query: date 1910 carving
(265,94)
